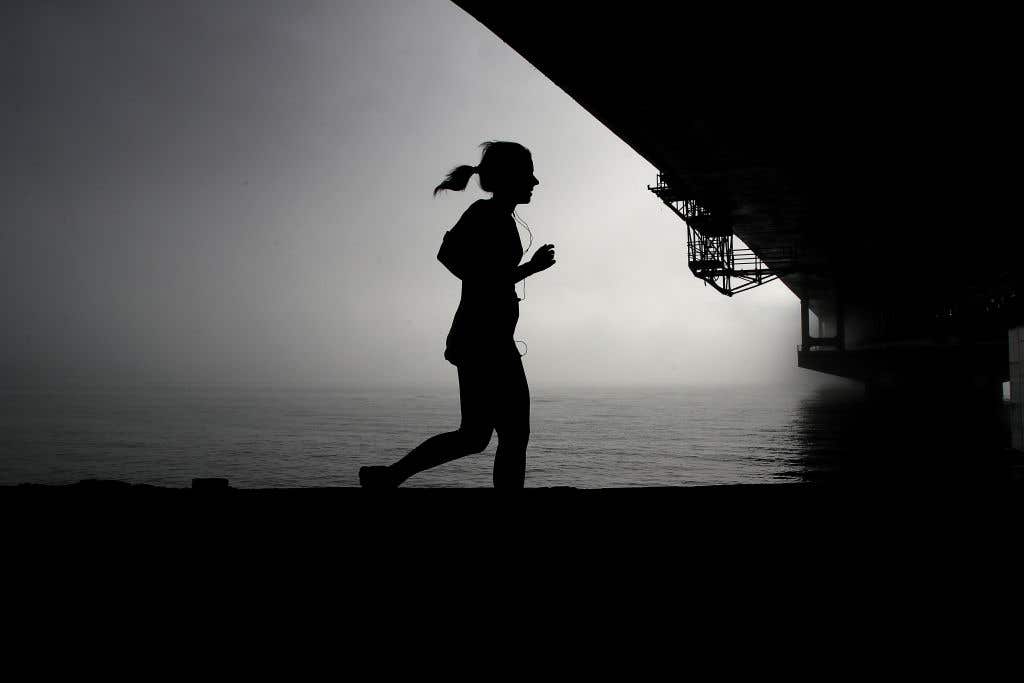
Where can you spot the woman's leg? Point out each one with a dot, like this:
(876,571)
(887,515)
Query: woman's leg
(437,450)
(512,422)
(472,436)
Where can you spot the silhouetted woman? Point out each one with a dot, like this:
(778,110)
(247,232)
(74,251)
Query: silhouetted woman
(483,250)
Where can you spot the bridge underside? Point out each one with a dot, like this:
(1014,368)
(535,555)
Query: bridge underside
(858,142)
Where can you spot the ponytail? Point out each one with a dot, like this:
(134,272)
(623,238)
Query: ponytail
(498,161)
(457,179)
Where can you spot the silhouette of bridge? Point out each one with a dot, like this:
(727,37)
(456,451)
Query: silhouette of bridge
(848,152)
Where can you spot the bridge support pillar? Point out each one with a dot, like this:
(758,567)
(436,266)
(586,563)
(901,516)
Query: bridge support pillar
(807,340)
(805,325)
(1017,387)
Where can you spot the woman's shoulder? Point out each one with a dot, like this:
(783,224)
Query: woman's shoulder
(480,211)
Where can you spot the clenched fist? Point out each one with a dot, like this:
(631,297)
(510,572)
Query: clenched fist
(543,258)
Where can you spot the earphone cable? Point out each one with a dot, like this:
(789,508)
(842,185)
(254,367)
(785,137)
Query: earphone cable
(529,232)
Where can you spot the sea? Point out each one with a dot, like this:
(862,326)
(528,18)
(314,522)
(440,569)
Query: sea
(267,436)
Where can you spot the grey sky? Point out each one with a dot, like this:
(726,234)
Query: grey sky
(242,191)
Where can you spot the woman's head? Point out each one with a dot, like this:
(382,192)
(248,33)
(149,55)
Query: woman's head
(505,168)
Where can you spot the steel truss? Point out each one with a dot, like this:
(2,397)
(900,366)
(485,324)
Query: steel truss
(710,244)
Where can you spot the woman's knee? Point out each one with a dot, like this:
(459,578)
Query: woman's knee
(514,438)
(476,439)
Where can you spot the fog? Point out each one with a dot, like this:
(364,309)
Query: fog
(241,192)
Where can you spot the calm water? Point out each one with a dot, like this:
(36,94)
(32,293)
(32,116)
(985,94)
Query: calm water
(319,437)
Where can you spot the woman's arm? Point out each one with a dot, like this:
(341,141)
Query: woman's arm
(467,249)
(460,247)
(543,259)
(522,272)
(448,255)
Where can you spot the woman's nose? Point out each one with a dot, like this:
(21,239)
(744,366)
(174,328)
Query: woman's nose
(535,181)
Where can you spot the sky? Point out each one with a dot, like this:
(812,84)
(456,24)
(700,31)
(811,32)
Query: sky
(240,191)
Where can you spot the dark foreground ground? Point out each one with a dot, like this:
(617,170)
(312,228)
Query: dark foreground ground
(347,569)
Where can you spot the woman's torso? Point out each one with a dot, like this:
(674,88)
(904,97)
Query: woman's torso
(489,306)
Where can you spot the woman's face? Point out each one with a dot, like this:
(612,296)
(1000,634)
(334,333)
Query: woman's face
(520,183)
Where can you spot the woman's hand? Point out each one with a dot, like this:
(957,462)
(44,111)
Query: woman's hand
(543,258)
